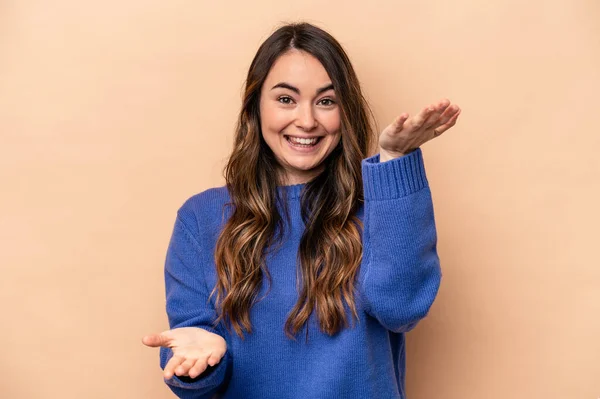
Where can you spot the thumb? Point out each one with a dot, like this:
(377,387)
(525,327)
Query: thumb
(155,340)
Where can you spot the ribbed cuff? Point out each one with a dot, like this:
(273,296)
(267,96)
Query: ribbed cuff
(395,178)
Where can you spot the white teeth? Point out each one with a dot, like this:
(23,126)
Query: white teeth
(303,141)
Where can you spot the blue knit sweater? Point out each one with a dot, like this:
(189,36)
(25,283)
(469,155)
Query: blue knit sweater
(397,283)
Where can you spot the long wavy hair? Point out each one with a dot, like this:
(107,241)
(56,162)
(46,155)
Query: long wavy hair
(330,250)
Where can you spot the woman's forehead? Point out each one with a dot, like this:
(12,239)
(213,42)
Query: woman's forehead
(300,70)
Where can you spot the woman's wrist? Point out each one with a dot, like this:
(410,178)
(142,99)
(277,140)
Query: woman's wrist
(389,155)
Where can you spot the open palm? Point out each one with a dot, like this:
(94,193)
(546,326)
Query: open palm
(406,134)
(194,349)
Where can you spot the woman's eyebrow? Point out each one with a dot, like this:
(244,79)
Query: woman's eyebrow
(297,91)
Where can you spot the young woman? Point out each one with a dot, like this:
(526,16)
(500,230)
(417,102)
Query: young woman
(310,238)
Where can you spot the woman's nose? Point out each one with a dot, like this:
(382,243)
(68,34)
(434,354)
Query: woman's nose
(306,118)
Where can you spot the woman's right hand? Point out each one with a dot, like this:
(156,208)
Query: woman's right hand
(194,349)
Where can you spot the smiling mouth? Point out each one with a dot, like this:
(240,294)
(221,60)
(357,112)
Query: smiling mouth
(297,141)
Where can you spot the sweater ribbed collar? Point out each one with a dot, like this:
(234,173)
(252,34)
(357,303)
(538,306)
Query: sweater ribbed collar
(292,191)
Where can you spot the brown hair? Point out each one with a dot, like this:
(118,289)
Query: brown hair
(330,249)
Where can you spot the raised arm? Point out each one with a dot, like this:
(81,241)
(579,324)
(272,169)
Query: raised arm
(401,274)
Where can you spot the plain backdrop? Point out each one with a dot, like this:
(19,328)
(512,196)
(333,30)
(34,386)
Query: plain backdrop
(113,113)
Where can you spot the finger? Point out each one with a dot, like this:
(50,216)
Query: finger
(184,367)
(399,122)
(440,107)
(435,114)
(442,124)
(448,114)
(169,370)
(452,113)
(418,120)
(199,367)
(443,104)
(397,125)
(215,358)
(154,340)
(439,130)
(426,118)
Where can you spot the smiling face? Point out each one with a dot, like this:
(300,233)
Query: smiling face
(299,115)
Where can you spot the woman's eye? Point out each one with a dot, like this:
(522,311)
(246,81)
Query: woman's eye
(285,100)
(327,102)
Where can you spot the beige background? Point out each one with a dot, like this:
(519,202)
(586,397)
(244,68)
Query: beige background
(113,113)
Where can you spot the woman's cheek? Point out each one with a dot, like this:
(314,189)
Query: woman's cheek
(277,119)
(331,121)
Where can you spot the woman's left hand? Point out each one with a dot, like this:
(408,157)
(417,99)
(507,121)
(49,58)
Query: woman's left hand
(407,134)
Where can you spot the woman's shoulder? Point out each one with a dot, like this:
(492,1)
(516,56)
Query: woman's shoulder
(204,209)
(211,196)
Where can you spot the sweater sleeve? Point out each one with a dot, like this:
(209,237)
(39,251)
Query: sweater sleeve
(401,274)
(187,305)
